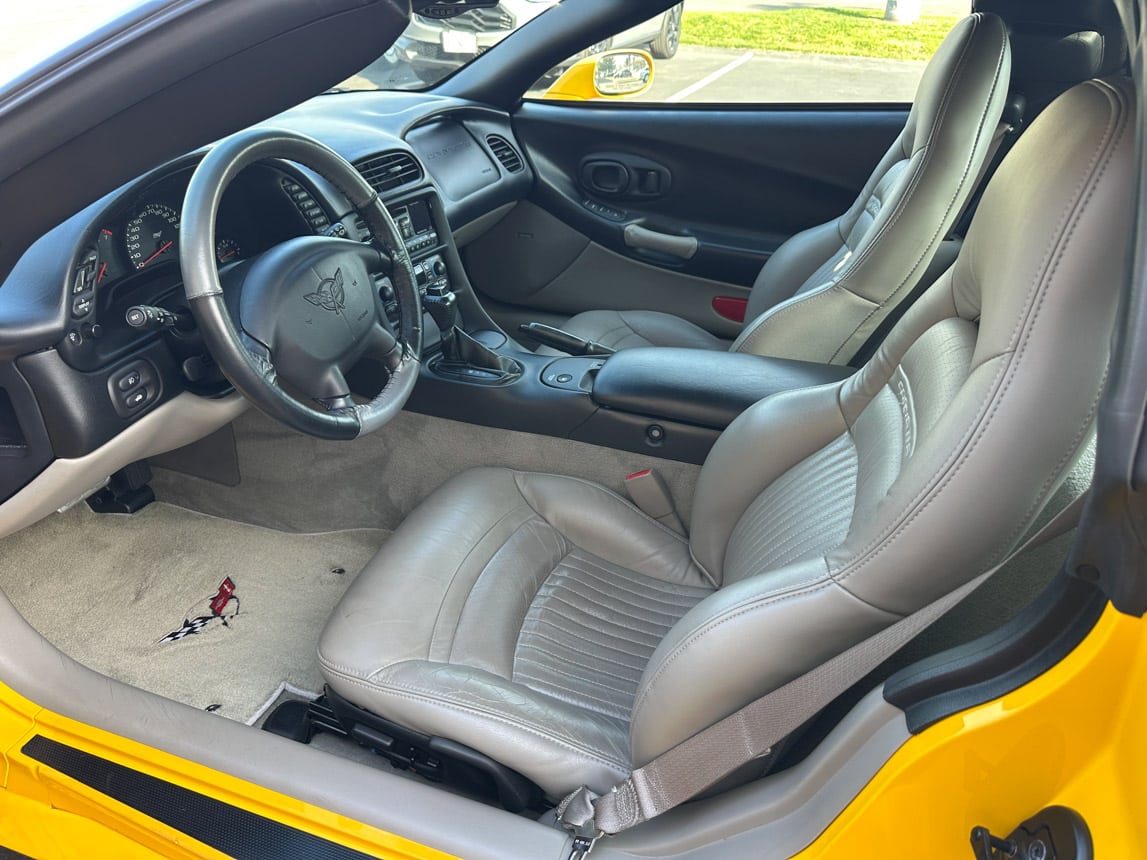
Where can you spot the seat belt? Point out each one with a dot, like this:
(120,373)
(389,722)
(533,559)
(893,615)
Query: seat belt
(713,753)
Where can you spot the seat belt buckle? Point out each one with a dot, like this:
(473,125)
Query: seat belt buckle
(648,490)
(582,846)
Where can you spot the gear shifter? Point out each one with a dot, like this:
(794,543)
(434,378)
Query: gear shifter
(442,305)
(462,355)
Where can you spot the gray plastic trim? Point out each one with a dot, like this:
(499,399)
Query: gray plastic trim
(181,421)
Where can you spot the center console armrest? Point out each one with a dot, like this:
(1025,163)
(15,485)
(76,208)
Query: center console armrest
(702,387)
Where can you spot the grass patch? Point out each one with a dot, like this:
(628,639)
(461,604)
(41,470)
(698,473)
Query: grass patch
(818,30)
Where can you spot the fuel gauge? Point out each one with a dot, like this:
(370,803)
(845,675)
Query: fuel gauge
(226,251)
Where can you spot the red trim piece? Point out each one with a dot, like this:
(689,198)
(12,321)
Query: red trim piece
(731,308)
(640,474)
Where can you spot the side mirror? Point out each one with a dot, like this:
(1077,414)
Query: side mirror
(610,75)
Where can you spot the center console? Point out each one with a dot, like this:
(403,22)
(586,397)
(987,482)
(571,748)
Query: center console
(667,402)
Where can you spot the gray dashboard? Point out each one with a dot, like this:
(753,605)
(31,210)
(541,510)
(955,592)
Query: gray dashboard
(64,346)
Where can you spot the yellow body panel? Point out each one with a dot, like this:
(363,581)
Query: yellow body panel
(48,815)
(1073,736)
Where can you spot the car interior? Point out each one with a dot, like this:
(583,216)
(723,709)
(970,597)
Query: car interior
(433,455)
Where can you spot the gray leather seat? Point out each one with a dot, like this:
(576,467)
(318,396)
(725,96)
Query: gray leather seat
(825,290)
(548,623)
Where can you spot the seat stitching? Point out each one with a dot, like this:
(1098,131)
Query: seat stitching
(1053,255)
(628,683)
(604,570)
(598,657)
(611,615)
(583,699)
(601,632)
(458,569)
(621,587)
(602,489)
(731,614)
(898,210)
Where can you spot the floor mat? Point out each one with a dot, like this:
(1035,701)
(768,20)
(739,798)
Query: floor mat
(216,614)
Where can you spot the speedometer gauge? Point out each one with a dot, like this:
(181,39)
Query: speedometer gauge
(151,235)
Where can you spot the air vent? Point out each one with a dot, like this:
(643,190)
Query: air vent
(308,208)
(504,152)
(389,170)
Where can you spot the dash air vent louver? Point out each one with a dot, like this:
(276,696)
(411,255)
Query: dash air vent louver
(389,170)
(504,152)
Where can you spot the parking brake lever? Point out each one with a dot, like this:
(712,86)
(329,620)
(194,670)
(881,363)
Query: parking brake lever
(555,338)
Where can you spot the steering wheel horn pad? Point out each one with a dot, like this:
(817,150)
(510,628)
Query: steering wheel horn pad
(311,302)
(308,309)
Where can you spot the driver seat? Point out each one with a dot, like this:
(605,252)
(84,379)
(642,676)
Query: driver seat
(551,625)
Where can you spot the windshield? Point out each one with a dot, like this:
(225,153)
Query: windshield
(429,50)
(33,32)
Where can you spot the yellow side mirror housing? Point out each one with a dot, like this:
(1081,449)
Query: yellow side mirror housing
(609,75)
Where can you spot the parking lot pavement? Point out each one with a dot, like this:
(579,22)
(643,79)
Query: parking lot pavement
(733,75)
(928,7)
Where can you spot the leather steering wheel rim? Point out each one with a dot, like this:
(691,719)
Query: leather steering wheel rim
(249,363)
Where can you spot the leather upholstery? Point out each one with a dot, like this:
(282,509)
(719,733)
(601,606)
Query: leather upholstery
(513,611)
(826,290)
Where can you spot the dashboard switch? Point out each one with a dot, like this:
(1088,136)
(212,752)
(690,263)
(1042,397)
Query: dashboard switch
(136,399)
(129,381)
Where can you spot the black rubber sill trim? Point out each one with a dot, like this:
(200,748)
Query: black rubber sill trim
(224,827)
(1021,650)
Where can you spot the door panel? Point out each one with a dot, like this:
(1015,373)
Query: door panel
(734,183)
(534,260)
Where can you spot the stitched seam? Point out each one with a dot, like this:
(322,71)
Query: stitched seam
(980,424)
(619,584)
(733,613)
(628,682)
(577,601)
(1033,301)
(599,488)
(636,666)
(458,570)
(951,204)
(617,636)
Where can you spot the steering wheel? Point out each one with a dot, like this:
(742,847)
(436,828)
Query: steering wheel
(307,310)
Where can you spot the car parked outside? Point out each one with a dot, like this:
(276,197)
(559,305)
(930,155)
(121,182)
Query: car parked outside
(432,48)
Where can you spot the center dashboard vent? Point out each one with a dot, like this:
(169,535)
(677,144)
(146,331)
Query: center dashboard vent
(389,170)
(504,152)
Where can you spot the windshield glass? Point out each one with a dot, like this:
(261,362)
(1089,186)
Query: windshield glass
(32,32)
(429,50)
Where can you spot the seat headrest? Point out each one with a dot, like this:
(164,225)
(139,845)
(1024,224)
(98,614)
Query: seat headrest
(1061,54)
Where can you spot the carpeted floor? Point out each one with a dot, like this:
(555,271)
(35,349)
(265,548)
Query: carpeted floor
(109,590)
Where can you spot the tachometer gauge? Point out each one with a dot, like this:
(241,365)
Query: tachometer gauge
(226,251)
(152,235)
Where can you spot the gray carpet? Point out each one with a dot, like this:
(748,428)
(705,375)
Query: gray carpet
(107,589)
(299,483)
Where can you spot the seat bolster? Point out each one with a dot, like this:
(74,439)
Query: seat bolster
(763,443)
(791,265)
(432,563)
(820,325)
(780,626)
(628,329)
(557,744)
(602,522)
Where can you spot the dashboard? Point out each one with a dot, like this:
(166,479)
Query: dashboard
(76,372)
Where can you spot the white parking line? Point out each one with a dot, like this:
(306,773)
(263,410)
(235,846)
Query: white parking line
(708,79)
